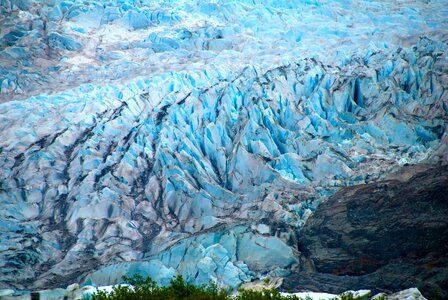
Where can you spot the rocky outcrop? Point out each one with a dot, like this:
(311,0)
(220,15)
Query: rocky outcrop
(385,236)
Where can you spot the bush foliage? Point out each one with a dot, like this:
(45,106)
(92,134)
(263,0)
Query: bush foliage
(145,288)
(140,288)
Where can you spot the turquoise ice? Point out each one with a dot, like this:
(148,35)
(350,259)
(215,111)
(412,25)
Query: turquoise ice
(196,137)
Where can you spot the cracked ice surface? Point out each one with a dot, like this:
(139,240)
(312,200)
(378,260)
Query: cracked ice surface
(196,138)
(51,45)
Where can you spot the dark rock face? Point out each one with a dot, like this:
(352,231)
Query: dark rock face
(385,236)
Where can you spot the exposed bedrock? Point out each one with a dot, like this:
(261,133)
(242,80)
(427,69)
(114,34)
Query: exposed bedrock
(384,236)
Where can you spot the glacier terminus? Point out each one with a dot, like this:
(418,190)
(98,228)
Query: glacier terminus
(225,141)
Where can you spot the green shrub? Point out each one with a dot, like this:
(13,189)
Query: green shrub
(265,294)
(146,288)
(140,288)
(350,296)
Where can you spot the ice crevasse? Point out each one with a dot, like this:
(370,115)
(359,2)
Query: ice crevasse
(206,154)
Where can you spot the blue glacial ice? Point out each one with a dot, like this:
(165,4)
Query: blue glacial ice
(196,137)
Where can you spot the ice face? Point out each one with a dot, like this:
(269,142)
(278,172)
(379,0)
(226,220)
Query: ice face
(200,166)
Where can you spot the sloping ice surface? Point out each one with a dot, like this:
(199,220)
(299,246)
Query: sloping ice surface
(52,45)
(196,138)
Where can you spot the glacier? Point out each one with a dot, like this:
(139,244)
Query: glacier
(197,137)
